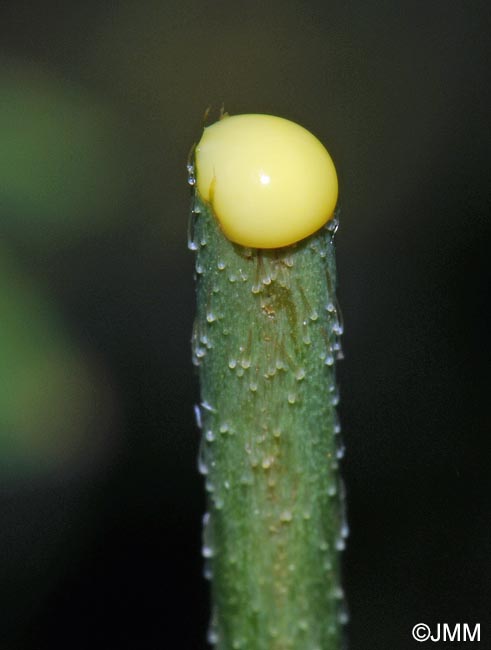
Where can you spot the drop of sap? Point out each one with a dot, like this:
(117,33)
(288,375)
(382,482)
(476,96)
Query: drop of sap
(191,176)
(343,614)
(337,424)
(197,416)
(338,328)
(344,530)
(202,464)
(192,243)
(329,359)
(340,451)
(212,636)
(207,549)
(207,571)
(333,225)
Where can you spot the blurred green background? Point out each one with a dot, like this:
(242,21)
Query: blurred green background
(100,499)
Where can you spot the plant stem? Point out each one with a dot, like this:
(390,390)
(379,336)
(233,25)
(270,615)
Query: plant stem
(265,340)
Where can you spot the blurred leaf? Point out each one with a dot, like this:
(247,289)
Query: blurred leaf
(54,404)
(63,160)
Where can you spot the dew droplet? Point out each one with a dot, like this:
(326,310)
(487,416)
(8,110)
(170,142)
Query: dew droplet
(245,363)
(300,374)
(210,436)
(232,363)
(253,386)
(210,317)
(292,398)
(221,265)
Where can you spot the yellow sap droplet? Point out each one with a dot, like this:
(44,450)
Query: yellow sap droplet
(270,182)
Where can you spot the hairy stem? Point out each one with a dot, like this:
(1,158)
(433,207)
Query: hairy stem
(265,340)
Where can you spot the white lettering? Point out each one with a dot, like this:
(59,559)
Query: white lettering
(448,635)
(467,636)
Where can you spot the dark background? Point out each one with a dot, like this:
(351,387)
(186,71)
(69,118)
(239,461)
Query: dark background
(100,499)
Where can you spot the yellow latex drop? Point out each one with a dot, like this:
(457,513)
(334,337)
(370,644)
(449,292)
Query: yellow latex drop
(270,182)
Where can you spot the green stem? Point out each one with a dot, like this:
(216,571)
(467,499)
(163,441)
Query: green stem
(265,340)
